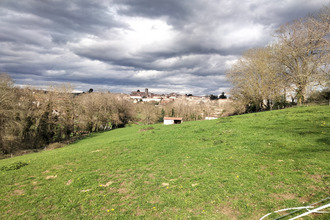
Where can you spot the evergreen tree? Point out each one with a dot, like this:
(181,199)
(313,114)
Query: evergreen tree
(222,96)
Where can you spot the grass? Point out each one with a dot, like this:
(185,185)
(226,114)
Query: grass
(239,167)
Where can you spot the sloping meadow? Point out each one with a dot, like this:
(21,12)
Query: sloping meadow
(239,167)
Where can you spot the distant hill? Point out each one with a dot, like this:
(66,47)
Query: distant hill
(238,167)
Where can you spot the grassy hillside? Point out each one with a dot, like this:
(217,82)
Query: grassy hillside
(239,167)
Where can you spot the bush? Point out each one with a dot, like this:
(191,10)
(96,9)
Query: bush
(320,97)
(14,166)
(55,146)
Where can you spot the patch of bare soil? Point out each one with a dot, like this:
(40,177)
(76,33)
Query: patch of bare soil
(228,211)
(107,184)
(288,196)
(316,177)
(122,191)
(85,190)
(304,200)
(314,188)
(51,177)
(280,186)
(18,192)
(139,212)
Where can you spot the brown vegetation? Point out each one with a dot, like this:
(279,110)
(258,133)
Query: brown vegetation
(33,119)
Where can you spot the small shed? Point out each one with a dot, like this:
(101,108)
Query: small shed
(172,120)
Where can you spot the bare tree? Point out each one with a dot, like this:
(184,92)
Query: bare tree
(148,112)
(97,111)
(303,50)
(63,110)
(9,123)
(256,79)
(30,112)
(123,112)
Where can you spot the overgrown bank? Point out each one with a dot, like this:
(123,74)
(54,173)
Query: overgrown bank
(33,119)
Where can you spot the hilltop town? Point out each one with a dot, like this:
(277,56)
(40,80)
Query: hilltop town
(146,96)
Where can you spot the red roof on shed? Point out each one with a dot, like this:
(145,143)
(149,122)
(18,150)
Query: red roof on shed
(172,118)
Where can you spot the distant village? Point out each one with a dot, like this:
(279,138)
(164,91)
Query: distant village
(146,96)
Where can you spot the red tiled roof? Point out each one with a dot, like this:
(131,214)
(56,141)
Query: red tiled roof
(172,118)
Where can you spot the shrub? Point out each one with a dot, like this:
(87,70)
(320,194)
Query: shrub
(14,166)
(55,146)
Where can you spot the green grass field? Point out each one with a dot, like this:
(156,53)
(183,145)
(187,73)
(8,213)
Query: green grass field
(239,167)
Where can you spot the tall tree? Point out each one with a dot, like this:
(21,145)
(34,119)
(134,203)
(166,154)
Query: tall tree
(9,123)
(303,51)
(256,79)
(222,96)
(64,108)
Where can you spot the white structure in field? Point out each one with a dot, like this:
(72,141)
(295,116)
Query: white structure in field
(210,118)
(172,120)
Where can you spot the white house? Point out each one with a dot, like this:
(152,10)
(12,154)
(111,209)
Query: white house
(172,120)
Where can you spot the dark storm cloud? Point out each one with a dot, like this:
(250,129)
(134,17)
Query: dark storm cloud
(176,11)
(59,18)
(123,45)
(34,33)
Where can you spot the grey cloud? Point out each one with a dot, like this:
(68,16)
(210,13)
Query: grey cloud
(194,63)
(83,41)
(176,11)
(62,20)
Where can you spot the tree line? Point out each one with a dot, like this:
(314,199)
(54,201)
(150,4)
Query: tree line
(33,119)
(295,63)
(149,113)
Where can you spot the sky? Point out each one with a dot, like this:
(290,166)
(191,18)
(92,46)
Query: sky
(182,46)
